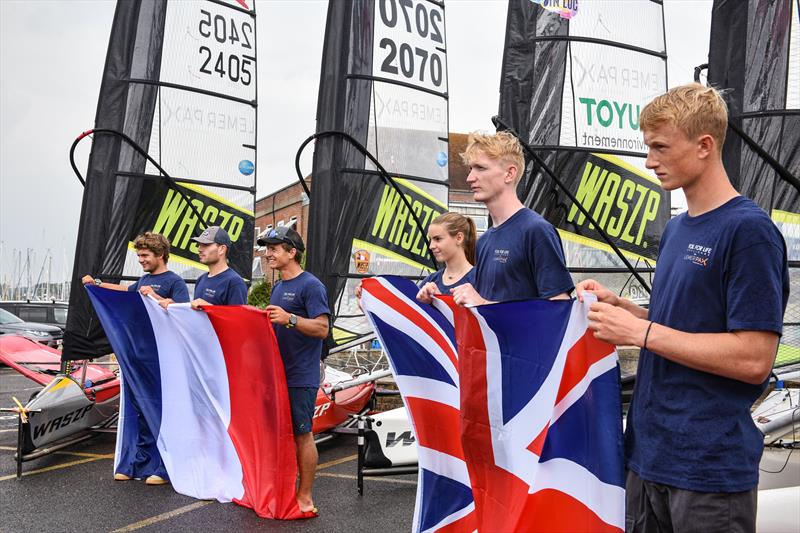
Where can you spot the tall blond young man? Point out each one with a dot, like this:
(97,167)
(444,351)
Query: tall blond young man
(709,337)
(521,255)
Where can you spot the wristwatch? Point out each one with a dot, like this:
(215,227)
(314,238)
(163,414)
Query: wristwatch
(97,281)
(292,321)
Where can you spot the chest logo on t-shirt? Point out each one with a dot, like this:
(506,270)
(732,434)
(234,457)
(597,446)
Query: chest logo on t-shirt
(698,254)
(501,255)
(288,297)
(209,292)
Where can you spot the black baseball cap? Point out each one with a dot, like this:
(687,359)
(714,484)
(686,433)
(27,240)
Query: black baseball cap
(214,234)
(282,234)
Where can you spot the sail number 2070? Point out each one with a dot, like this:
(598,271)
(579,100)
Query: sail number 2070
(223,30)
(413,43)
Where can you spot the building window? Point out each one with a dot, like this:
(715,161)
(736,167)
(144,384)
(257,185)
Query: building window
(477,212)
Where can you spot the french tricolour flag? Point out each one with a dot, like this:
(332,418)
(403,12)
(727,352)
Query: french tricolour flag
(211,389)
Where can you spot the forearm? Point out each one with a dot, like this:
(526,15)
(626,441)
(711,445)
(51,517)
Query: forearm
(636,310)
(113,286)
(311,327)
(744,356)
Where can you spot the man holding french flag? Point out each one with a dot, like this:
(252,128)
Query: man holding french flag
(212,390)
(299,312)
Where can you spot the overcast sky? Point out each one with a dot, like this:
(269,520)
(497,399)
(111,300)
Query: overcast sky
(51,60)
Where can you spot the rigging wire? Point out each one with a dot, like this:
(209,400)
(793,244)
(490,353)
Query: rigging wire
(170,180)
(782,171)
(381,171)
(501,125)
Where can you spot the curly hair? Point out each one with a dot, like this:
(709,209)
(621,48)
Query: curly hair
(155,242)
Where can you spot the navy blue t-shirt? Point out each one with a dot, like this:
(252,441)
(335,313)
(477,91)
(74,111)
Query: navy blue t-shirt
(167,285)
(721,271)
(306,297)
(225,288)
(521,258)
(438,278)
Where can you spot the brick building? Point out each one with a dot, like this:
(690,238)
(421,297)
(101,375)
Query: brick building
(289,205)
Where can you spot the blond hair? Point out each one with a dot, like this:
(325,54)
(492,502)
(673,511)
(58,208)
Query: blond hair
(454,223)
(501,146)
(155,242)
(693,108)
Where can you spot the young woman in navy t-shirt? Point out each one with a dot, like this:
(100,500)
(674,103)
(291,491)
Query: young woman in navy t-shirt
(452,239)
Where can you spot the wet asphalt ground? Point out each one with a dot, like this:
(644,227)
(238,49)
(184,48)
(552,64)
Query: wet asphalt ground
(72,490)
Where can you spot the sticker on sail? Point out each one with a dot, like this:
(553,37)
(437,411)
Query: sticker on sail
(565,8)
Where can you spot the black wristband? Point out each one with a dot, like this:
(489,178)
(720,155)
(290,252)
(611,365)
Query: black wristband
(647,334)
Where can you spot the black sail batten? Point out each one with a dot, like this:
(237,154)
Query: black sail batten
(360,224)
(180,82)
(572,85)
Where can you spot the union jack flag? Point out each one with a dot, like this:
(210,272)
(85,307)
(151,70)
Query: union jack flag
(519,428)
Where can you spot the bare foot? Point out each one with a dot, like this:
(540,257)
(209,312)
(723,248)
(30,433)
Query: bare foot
(306,505)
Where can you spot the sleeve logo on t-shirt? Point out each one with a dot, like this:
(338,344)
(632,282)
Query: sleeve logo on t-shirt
(698,254)
(501,255)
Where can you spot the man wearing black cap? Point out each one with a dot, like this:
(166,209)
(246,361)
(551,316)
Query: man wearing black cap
(300,315)
(221,285)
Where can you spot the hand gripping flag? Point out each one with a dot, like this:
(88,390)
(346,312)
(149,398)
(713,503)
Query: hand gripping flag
(528,405)
(206,392)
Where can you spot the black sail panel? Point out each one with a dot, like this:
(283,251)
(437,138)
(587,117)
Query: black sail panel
(754,56)
(383,82)
(572,85)
(180,82)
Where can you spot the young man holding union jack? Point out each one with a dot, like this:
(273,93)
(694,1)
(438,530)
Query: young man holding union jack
(521,255)
(709,337)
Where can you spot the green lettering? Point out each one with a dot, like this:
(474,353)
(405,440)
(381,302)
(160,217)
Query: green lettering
(408,239)
(187,226)
(399,223)
(650,213)
(626,236)
(604,105)
(226,216)
(386,211)
(235,229)
(417,248)
(620,111)
(591,181)
(606,199)
(170,213)
(589,103)
(210,214)
(625,193)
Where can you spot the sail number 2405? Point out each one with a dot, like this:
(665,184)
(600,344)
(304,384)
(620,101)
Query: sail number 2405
(223,30)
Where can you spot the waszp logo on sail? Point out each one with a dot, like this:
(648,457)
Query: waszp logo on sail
(395,228)
(622,203)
